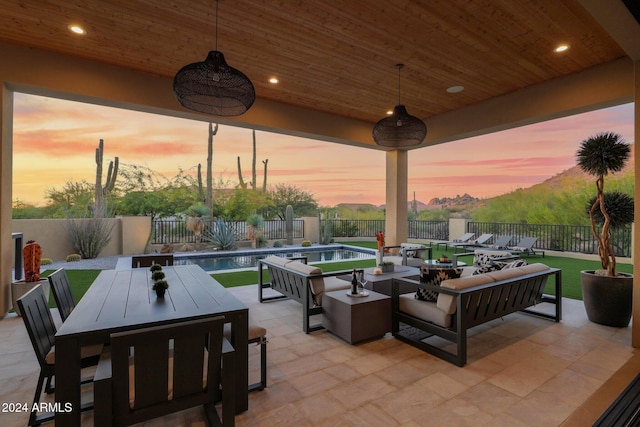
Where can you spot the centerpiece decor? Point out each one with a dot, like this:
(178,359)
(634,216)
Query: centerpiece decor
(160,285)
(607,294)
(31,255)
(386,266)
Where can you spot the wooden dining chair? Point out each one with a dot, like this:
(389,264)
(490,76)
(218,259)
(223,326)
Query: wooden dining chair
(156,371)
(61,290)
(138,261)
(42,330)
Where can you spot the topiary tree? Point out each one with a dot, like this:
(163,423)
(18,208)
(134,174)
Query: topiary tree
(599,156)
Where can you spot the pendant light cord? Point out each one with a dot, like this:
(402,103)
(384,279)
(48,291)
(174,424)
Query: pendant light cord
(217,3)
(399,66)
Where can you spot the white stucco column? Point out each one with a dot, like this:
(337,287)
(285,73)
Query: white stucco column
(396,197)
(635,327)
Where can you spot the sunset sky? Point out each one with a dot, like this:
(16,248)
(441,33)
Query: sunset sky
(55,141)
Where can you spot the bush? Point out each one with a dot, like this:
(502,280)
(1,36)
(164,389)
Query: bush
(277,244)
(89,236)
(73,258)
(306,243)
(46,261)
(261,241)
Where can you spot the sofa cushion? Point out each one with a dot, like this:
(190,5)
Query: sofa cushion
(424,310)
(321,285)
(277,260)
(304,268)
(447,303)
(435,276)
(504,274)
(533,268)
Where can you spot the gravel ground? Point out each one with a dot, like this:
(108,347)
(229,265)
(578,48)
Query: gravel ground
(101,263)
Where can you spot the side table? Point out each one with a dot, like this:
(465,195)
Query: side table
(356,319)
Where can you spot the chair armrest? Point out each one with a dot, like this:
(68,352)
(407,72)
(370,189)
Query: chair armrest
(456,256)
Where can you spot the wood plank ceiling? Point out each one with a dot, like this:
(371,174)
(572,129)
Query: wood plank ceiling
(335,56)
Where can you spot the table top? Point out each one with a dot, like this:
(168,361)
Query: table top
(437,264)
(124,299)
(398,272)
(346,299)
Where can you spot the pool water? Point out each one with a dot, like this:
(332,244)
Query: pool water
(230,262)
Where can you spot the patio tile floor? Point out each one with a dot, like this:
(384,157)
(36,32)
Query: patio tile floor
(522,371)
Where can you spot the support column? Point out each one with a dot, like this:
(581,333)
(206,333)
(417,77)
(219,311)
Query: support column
(396,224)
(635,327)
(6,162)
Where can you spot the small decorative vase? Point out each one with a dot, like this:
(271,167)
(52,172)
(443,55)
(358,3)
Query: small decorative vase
(160,292)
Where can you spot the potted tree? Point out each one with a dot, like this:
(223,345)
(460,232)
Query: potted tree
(607,294)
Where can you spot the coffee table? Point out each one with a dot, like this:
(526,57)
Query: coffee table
(381,283)
(356,319)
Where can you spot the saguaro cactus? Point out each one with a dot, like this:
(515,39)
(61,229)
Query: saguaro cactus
(288,216)
(253,182)
(100,190)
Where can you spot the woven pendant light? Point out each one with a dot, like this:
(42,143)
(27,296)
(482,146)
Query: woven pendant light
(400,129)
(214,87)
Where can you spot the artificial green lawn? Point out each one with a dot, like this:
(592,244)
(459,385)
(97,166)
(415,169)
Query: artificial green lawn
(80,280)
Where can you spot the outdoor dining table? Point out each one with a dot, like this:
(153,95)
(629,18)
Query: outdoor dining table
(122,300)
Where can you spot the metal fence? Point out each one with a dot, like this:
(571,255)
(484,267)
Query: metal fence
(175,231)
(436,230)
(570,238)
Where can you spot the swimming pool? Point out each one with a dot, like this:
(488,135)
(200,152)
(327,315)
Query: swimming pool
(249,259)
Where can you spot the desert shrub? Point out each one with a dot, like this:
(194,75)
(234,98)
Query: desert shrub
(277,244)
(222,235)
(46,261)
(73,258)
(305,243)
(89,236)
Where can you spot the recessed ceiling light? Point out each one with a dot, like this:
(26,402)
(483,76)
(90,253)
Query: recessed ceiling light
(389,112)
(561,48)
(273,80)
(455,89)
(77,29)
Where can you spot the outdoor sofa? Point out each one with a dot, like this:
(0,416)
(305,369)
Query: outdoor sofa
(411,254)
(462,303)
(292,278)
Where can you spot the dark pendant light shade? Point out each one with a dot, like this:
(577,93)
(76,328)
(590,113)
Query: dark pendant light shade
(213,87)
(400,129)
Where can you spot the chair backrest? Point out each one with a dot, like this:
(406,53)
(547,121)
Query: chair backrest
(62,293)
(484,238)
(501,242)
(526,243)
(464,238)
(164,260)
(165,369)
(39,322)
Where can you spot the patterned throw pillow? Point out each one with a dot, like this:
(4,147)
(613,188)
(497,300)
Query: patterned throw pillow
(514,264)
(435,276)
(486,268)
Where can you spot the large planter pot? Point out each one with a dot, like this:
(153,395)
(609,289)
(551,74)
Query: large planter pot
(608,300)
(19,288)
